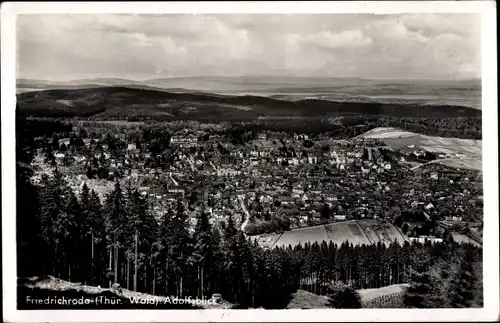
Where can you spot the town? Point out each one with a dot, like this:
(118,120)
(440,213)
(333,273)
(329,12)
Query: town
(269,181)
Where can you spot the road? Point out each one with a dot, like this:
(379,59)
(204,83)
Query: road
(173,180)
(244,208)
(213,166)
(191,163)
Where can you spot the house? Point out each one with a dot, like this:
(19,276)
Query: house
(423,239)
(315,214)
(176,191)
(183,141)
(131,147)
(64,141)
(339,217)
(453,218)
(143,190)
(312,160)
(286,200)
(317,200)
(298,191)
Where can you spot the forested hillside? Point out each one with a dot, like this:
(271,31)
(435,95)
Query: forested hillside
(124,101)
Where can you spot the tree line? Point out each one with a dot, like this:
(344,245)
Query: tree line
(350,126)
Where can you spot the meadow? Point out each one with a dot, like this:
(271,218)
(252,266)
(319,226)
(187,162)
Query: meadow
(454,152)
(357,232)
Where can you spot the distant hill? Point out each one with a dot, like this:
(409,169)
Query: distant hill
(420,92)
(100,101)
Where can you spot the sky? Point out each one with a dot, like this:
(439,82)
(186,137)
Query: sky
(413,46)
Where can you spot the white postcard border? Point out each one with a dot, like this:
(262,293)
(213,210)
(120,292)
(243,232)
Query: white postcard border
(490,162)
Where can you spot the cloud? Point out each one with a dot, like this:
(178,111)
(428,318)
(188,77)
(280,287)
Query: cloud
(379,46)
(341,40)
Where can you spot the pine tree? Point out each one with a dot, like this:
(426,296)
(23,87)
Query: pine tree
(203,248)
(55,222)
(146,231)
(216,274)
(78,234)
(55,142)
(423,289)
(115,223)
(464,281)
(164,250)
(325,212)
(31,249)
(242,267)
(180,247)
(96,224)
(230,252)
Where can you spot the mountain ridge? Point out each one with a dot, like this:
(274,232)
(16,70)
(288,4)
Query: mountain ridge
(122,101)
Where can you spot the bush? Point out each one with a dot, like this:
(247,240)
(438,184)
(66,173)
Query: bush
(344,296)
(308,143)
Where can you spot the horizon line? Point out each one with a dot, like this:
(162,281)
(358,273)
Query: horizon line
(97,77)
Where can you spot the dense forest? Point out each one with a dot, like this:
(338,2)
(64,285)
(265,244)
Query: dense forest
(117,240)
(351,126)
(111,103)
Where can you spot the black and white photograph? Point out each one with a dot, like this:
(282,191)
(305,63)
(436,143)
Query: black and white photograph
(274,161)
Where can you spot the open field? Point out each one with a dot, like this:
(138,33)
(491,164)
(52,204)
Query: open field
(378,231)
(122,122)
(463,163)
(360,232)
(373,293)
(337,233)
(302,299)
(386,297)
(460,153)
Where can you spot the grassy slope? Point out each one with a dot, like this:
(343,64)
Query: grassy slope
(116,101)
(385,297)
(397,140)
(337,232)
